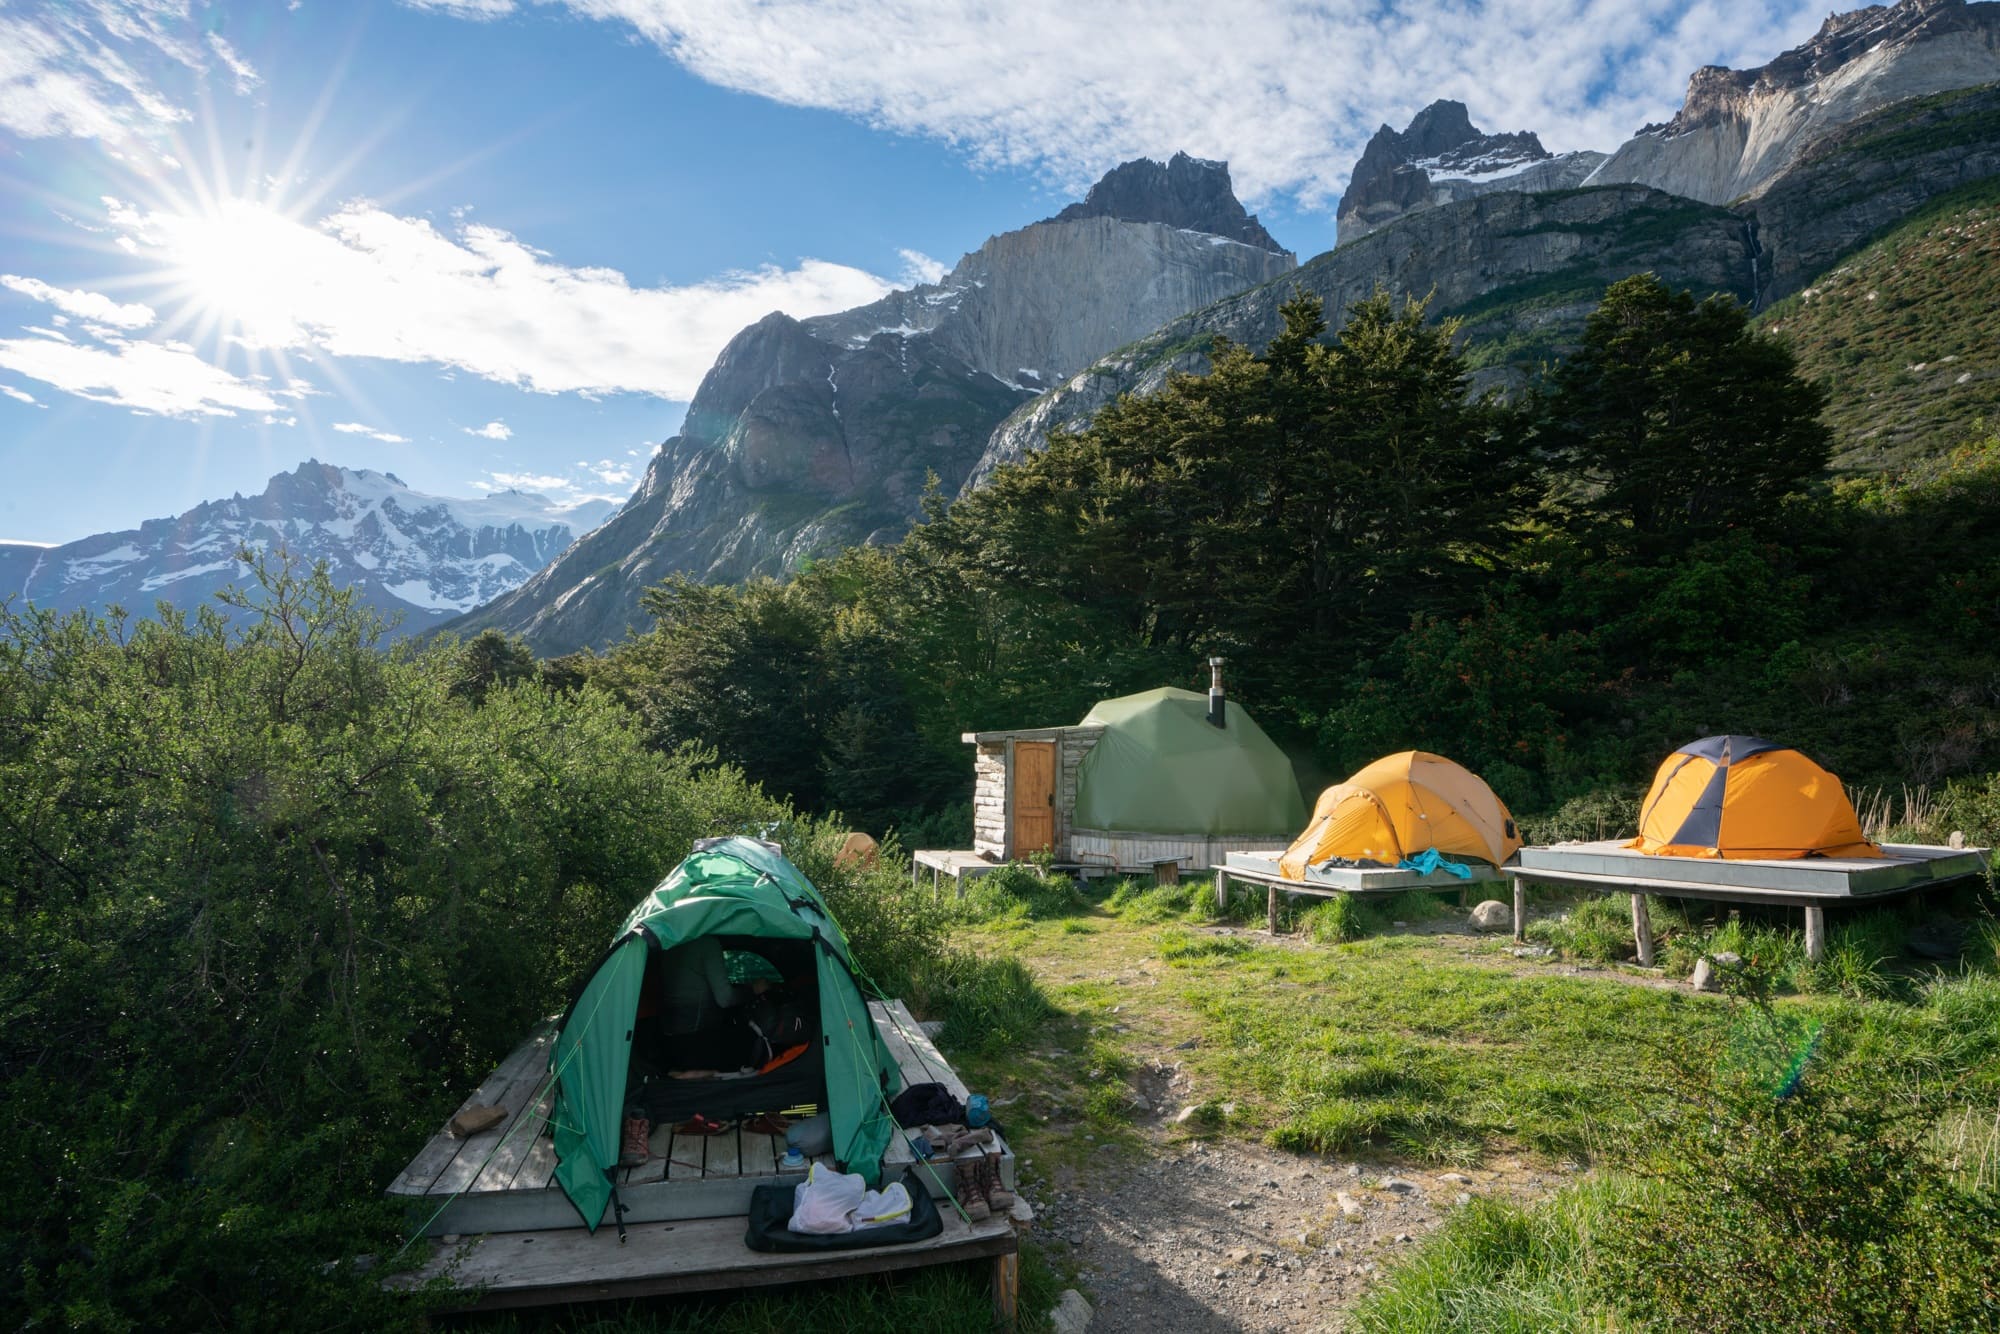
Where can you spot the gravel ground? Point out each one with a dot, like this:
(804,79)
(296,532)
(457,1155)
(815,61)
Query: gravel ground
(1230,1236)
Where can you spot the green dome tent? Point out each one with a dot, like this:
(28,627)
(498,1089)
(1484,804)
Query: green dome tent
(742,891)
(1161,767)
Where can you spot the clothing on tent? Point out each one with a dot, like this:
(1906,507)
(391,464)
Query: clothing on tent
(1430,861)
(922,1104)
(1400,806)
(1747,798)
(828,1202)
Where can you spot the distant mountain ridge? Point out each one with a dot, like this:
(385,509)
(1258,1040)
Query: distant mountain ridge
(420,557)
(807,436)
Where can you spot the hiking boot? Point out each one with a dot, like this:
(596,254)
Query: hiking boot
(997,1194)
(637,1146)
(971,1174)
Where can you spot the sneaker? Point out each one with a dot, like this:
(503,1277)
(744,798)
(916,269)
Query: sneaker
(637,1146)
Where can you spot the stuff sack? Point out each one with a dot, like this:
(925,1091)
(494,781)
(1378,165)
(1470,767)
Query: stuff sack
(771,1217)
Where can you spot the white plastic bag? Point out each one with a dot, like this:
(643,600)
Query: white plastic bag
(825,1201)
(883,1207)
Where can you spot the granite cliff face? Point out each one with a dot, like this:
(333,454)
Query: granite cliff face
(1443,157)
(1185,192)
(1519,268)
(1739,129)
(811,435)
(418,557)
(1522,271)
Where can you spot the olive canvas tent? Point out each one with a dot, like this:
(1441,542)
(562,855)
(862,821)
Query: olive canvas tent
(1744,798)
(742,892)
(1402,805)
(1161,766)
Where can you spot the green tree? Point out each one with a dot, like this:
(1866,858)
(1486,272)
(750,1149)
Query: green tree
(1677,417)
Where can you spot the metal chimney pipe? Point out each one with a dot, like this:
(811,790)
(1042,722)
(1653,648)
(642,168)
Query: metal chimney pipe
(1217,715)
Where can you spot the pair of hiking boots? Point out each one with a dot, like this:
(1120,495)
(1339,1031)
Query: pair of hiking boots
(979,1189)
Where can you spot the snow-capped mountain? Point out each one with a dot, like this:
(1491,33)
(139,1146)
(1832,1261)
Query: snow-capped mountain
(424,558)
(1441,157)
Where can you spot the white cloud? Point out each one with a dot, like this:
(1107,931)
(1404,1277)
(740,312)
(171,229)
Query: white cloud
(84,305)
(493,430)
(466,9)
(1288,91)
(18,395)
(921,268)
(361,428)
(84,70)
(246,78)
(165,378)
(369,283)
(525,481)
(609,473)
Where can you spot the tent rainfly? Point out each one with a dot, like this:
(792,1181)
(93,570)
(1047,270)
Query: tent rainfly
(746,894)
(1399,806)
(1744,798)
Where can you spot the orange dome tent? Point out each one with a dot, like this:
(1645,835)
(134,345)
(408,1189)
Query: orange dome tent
(1741,797)
(1397,807)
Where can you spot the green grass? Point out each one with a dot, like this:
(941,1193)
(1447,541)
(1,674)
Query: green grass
(1905,334)
(1500,1268)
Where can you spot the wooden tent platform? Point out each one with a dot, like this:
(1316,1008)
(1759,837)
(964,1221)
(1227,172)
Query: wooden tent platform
(1807,882)
(499,1182)
(1328,881)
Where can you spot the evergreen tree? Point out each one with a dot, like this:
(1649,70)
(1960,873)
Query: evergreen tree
(1680,418)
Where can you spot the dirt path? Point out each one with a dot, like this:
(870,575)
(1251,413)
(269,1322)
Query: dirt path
(1231,1236)
(1170,1230)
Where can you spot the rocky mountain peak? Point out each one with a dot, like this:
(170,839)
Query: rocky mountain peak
(1442,156)
(1717,93)
(1184,191)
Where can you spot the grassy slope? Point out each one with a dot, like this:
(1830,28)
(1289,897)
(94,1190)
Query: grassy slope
(1905,333)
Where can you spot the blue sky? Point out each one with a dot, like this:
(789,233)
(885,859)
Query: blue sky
(482,243)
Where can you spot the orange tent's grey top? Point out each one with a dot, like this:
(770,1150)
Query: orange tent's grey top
(1401,805)
(1742,797)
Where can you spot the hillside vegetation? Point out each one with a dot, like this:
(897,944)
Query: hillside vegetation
(1905,334)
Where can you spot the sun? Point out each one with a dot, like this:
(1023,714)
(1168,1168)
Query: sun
(239,266)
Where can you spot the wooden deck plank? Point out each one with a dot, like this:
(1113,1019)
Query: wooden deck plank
(932,1067)
(1902,867)
(725,1156)
(538,1169)
(568,1265)
(761,1154)
(506,1165)
(436,1156)
(480,1149)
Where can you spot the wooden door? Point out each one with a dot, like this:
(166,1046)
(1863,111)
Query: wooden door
(1034,796)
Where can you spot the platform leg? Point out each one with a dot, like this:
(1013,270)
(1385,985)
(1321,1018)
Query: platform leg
(1221,890)
(1642,930)
(1815,932)
(1006,1289)
(958,878)
(1271,910)
(1520,910)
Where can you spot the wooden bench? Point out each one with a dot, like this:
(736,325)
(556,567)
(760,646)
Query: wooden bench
(1809,883)
(1332,881)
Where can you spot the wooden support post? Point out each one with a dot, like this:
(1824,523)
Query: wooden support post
(1520,910)
(1006,1289)
(1642,930)
(1221,890)
(1815,932)
(1271,910)
(958,878)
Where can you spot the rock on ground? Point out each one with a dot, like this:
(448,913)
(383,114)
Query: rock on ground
(1493,915)
(1072,1313)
